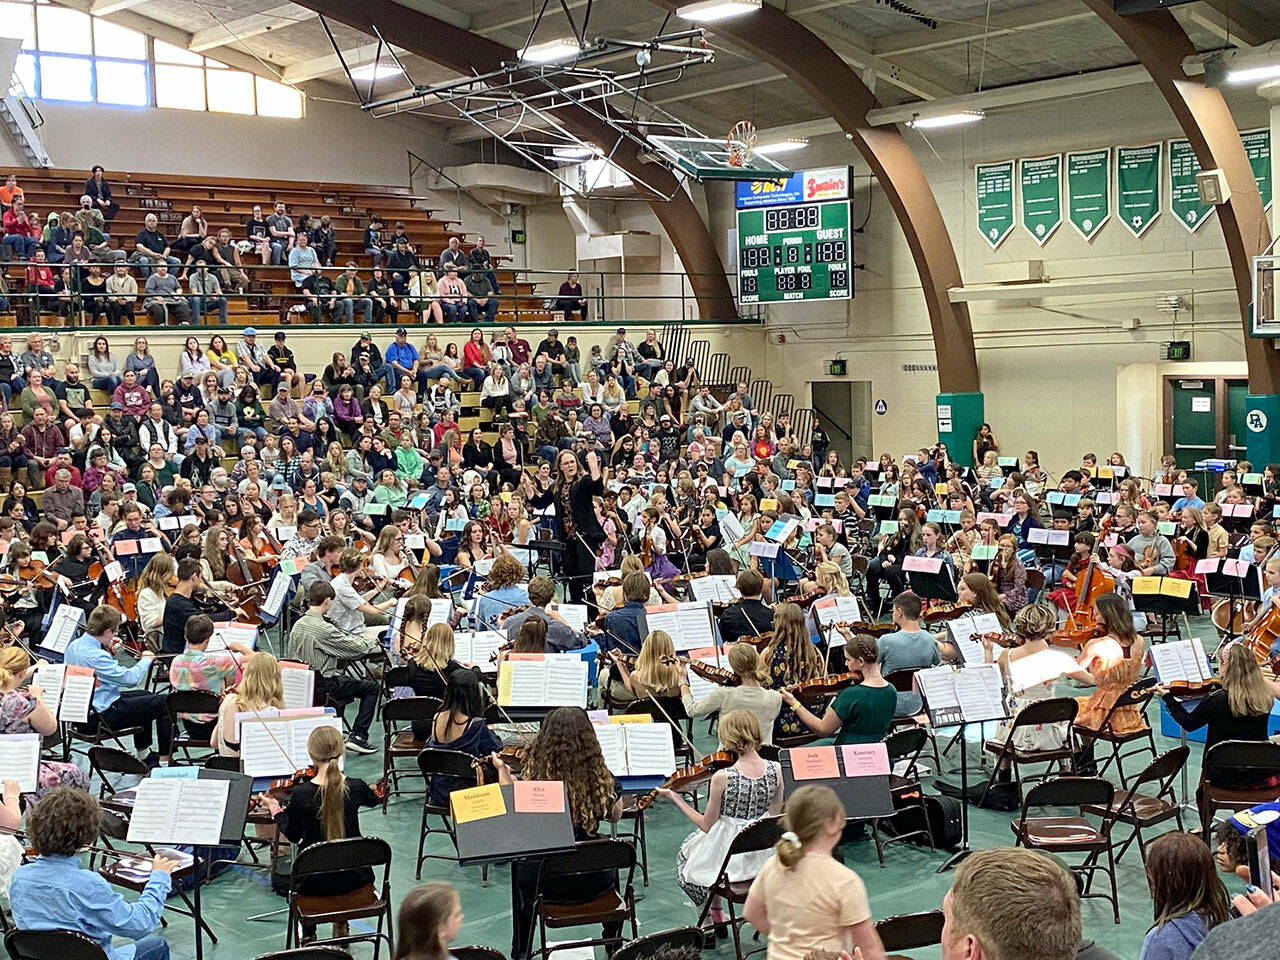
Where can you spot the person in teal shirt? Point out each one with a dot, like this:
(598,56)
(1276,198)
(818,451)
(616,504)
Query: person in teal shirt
(409,464)
(861,712)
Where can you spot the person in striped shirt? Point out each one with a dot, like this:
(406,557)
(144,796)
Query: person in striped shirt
(198,669)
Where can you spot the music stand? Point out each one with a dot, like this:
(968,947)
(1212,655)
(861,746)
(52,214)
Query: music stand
(930,584)
(1050,545)
(1168,608)
(1234,580)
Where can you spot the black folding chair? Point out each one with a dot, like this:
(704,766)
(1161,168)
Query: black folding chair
(105,762)
(398,740)
(910,931)
(905,788)
(319,952)
(477,953)
(1141,810)
(585,860)
(189,703)
(1057,710)
(754,837)
(368,902)
(1235,775)
(52,945)
(457,766)
(682,938)
(1137,695)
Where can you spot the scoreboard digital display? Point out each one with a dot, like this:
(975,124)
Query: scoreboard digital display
(794,240)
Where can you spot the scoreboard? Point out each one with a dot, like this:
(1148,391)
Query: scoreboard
(794,240)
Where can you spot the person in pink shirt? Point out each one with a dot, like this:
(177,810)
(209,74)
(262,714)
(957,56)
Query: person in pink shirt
(453,296)
(20,233)
(134,397)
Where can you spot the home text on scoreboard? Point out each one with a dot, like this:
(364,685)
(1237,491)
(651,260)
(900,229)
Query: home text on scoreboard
(794,239)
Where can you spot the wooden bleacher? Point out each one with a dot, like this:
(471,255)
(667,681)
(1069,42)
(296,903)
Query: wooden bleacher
(228,202)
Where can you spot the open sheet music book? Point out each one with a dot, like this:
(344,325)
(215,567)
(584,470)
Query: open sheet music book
(475,648)
(716,587)
(20,760)
(829,610)
(637,749)
(969,695)
(228,633)
(1180,661)
(688,624)
(543,680)
(66,624)
(68,690)
(277,746)
(179,810)
(299,682)
(962,630)
(574,614)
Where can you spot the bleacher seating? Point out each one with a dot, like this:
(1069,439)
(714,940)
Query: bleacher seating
(228,202)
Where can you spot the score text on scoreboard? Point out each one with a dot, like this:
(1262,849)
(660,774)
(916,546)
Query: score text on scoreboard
(794,240)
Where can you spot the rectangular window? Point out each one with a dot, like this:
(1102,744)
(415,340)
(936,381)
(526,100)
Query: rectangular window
(25,70)
(19,21)
(168,53)
(117,42)
(63,31)
(278,100)
(66,78)
(122,83)
(181,88)
(230,91)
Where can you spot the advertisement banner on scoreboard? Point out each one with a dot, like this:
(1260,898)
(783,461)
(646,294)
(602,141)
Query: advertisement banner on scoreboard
(803,186)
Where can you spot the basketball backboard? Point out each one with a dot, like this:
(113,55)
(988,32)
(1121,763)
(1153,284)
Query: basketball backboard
(706,159)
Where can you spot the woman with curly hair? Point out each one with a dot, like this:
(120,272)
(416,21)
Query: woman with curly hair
(565,749)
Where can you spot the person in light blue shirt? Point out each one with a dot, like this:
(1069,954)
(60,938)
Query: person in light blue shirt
(402,361)
(116,704)
(53,892)
(908,647)
(1189,497)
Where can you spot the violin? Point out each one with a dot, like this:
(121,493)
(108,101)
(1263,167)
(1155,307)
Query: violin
(760,641)
(513,757)
(824,686)
(710,672)
(876,630)
(945,611)
(690,778)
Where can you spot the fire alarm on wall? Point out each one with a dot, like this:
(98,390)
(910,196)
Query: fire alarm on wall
(779,338)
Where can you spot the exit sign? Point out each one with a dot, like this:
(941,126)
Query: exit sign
(1175,350)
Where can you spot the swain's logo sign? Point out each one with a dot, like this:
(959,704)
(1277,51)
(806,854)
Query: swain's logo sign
(831,183)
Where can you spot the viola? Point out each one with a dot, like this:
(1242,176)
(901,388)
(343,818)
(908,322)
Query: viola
(876,630)
(1189,688)
(760,641)
(714,674)
(945,611)
(690,778)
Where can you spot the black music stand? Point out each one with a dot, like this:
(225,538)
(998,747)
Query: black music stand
(933,586)
(1235,589)
(1168,608)
(863,797)
(1045,550)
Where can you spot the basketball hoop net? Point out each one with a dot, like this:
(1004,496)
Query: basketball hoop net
(740,142)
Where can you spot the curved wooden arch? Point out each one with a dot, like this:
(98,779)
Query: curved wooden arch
(469,54)
(773,36)
(1161,45)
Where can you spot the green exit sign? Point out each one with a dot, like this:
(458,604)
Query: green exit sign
(1175,350)
(517,236)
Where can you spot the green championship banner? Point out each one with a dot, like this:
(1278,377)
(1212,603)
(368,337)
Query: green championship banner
(1138,186)
(1184,196)
(1257,146)
(1089,190)
(1040,184)
(994,183)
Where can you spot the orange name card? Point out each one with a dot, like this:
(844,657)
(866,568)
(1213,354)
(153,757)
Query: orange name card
(477,803)
(865,759)
(124,548)
(814,763)
(538,796)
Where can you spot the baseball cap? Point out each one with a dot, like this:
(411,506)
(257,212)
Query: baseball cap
(365,335)
(186,375)
(223,388)
(116,405)
(277,483)
(250,332)
(666,416)
(400,330)
(201,438)
(279,334)
(282,385)
(129,488)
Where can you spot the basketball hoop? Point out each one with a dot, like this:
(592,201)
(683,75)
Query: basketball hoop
(740,142)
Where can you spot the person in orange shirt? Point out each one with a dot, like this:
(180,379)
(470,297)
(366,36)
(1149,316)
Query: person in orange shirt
(10,190)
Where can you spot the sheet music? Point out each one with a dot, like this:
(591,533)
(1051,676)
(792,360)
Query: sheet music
(700,687)
(277,746)
(688,623)
(299,683)
(718,588)
(77,694)
(828,610)
(475,648)
(20,760)
(226,634)
(938,686)
(575,614)
(48,677)
(962,631)
(528,683)
(1180,660)
(182,811)
(441,611)
(731,528)
(150,545)
(280,585)
(243,715)
(566,680)
(66,623)
(758,548)
(651,749)
(980,691)
(613,746)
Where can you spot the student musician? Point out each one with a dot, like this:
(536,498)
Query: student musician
(738,796)
(887,563)
(53,892)
(861,712)
(748,694)
(198,669)
(180,606)
(23,711)
(429,920)
(560,635)
(352,611)
(566,749)
(326,807)
(653,547)
(460,726)
(622,626)
(1194,530)
(906,648)
(260,688)
(749,616)
(655,675)
(1114,661)
(1239,709)
(791,658)
(1151,549)
(1008,574)
(802,899)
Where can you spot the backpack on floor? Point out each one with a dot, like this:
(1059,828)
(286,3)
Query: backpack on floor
(942,813)
(1002,796)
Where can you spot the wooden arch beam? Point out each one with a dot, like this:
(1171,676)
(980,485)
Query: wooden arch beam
(813,66)
(470,54)
(1160,44)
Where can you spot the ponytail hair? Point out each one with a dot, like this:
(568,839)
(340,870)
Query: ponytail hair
(325,744)
(808,810)
(13,664)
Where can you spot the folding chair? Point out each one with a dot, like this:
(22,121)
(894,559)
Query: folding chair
(368,902)
(591,857)
(646,947)
(190,703)
(52,945)
(96,732)
(1057,710)
(456,765)
(398,740)
(754,837)
(477,953)
(1142,810)
(109,760)
(1035,584)
(1235,775)
(905,788)
(1058,835)
(1138,695)
(632,813)
(910,931)
(318,952)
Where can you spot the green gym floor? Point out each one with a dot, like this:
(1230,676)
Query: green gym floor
(907,883)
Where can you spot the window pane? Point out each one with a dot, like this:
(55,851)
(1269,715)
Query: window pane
(168,53)
(18,20)
(25,69)
(123,83)
(113,40)
(230,91)
(63,30)
(278,100)
(179,87)
(66,78)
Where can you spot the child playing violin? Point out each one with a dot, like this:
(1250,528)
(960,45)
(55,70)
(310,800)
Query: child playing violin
(748,790)
(655,673)
(861,712)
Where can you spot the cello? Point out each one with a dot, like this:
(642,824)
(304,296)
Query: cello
(1082,623)
(1264,632)
(248,576)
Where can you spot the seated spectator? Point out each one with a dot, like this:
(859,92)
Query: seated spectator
(351,299)
(403,264)
(324,240)
(424,296)
(10,191)
(206,294)
(570,299)
(99,191)
(280,233)
(150,248)
(479,261)
(19,232)
(481,303)
(454,255)
(192,232)
(453,296)
(374,244)
(164,297)
(304,270)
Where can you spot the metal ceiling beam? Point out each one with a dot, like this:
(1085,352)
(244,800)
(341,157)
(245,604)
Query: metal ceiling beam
(821,73)
(1227,21)
(243,28)
(1161,46)
(470,55)
(1050,13)
(320,66)
(102,8)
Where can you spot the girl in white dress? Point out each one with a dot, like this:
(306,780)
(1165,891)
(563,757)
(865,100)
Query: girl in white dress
(739,795)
